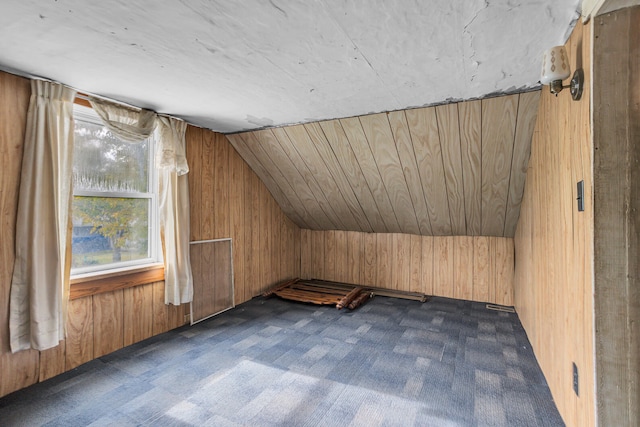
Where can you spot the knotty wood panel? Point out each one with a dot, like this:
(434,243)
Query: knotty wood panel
(455,169)
(498,130)
(461,267)
(553,242)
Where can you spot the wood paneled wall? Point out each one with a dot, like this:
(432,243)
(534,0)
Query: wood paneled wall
(227,199)
(455,169)
(475,268)
(554,243)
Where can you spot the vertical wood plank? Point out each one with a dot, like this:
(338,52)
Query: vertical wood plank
(276,153)
(138,313)
(470,116)
(402,137)
(449,130)
(401,258)
(79,341)
(306,254)
(341,257)
(207,179)
(367,164)
(481,269)
(321,144)
(355,255)
(463,262)
(193,139)
(385,154)
(498,131)
(428,265)
(384,273)
(346,158)
(370,264)
(237,222)
(107,323)
(423,126)
(221,222)
(52,362)
(504,271)
(329,269)
(256,236)
(444,266)
(415,273)
(525,122)
(318,177)
(160,311)
(318,259)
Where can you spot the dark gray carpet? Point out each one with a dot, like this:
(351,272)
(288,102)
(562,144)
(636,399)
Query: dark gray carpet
(277,363)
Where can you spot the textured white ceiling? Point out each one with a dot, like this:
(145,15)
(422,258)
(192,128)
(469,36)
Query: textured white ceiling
(239,65)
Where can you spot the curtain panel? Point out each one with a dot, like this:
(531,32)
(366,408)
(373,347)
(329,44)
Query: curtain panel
(128,124)
(173,193)
(40,282)
(172,167)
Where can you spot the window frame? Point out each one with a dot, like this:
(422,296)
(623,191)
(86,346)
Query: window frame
(83,112)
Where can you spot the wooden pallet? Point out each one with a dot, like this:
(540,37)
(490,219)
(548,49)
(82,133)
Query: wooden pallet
(341,295)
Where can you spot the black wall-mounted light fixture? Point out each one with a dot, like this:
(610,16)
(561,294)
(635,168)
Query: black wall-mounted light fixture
(555,69)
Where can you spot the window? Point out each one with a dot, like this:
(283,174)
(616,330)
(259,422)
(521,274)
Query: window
(114,204)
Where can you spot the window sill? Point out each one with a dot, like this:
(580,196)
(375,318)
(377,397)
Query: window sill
(87,285)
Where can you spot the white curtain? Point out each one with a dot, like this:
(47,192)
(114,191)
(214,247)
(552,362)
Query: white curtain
(173,195)
(128,124)
(40,286)
(174,210)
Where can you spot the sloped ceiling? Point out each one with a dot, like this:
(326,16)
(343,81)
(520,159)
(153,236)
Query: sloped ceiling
(239,65)
(455,169)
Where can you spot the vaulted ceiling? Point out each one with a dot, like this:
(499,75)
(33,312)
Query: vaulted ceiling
(455,169)
(373,116)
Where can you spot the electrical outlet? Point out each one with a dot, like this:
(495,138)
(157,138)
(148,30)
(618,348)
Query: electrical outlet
(575,380)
